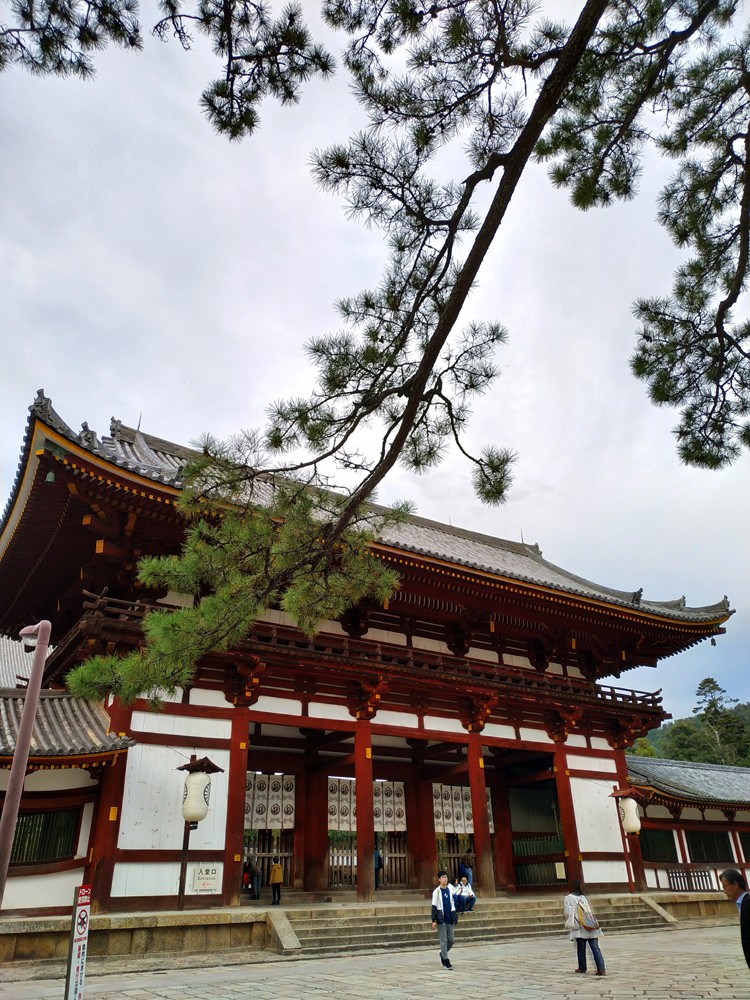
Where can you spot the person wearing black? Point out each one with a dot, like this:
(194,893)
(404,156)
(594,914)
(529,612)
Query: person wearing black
(735,888)
(444,917)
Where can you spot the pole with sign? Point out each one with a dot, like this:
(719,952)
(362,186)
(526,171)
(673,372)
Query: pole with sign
(79,937)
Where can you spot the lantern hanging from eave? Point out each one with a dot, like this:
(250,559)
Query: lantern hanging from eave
(197,790)
(195,796)
(629,817)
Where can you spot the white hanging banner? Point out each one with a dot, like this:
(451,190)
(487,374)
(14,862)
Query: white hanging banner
(288,797)
(457,804)
(347,801)
(378,807)
(249,794)
(437,808)
(333,804)
(399,805)
(489,810)
(260,802)
(448,809)
(275,786)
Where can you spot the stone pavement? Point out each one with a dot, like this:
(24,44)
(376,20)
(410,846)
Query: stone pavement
(695,963)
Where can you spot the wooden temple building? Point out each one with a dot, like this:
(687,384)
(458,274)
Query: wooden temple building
(481,708)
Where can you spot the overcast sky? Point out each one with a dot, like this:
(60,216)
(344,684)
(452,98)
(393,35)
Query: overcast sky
(152,271)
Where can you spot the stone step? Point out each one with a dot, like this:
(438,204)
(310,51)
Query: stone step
(322,930)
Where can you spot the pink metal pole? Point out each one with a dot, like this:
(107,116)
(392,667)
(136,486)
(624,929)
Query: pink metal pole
(23,744)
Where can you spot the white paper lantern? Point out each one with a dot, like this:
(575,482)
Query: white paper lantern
(195,796)
(631,821)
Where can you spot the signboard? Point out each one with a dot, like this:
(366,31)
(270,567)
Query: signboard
(204,878)
(79,937)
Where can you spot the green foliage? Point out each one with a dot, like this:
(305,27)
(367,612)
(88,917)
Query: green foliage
(642,748)
(718,733)
(252,543)
(499,85)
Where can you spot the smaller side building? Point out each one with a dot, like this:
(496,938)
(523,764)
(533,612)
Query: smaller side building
(72,758)
(695,821)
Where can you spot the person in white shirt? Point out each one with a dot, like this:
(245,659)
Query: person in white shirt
(444,917)
(465,896)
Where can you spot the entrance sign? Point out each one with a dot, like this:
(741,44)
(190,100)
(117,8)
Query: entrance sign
(79,937)
(205,878)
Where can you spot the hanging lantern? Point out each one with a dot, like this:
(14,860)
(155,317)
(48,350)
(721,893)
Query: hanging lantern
(628,807)
(631,821)
(195,796)
(197,790)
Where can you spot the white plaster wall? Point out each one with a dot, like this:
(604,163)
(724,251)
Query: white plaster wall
(282,706)
(743,815)
(580,763)
(160,878)
(380,635)
(182,725)
(500,732)
(319,710)
(511,660)
(691,814)
(715,816)
(211,699)
(535,736)
(435,645)
(475,653)
(152,801)
(87,816)
(575,740)
(53,781)
(278,618)
(597,820)
(658,812)
(599,743)
(27,892)
(604,871)
(444,725)
(406,719)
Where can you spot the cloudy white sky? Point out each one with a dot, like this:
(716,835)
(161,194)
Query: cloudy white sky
(151,271)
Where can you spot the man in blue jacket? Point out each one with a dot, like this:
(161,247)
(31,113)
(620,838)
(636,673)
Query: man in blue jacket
(735,888)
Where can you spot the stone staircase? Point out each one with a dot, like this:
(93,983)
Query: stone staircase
(327,929)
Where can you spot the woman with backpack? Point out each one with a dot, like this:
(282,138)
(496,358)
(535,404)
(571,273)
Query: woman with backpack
(583,927)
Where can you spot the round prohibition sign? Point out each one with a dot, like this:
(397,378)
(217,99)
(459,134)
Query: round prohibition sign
(82,922)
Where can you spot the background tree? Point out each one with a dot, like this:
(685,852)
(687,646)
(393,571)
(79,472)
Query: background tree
(492,87)
(642,748)
(718,733)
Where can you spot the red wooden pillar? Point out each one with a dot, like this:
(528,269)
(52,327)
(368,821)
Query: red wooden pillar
(420,832)
(485,874)
(365,818)
(234,842)
(567,815)
(316,831)
(300,829)
(106,825)
(505,875)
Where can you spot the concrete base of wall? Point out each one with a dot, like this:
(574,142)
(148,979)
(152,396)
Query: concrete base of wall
(41,939)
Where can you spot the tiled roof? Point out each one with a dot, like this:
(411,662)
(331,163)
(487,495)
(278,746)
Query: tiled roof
(684,779)
(14,662)
(525,563)
(164,461)
(64,726)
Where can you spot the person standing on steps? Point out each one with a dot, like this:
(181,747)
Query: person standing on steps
(444,917)
(574,905)
(275,878)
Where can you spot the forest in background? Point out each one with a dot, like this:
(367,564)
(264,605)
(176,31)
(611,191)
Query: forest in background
(718,732)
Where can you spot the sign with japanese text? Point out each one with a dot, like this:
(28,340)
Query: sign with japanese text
(79,938)
(205,878)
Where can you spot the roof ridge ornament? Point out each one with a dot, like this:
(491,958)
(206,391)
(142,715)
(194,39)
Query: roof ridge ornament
(637,595)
